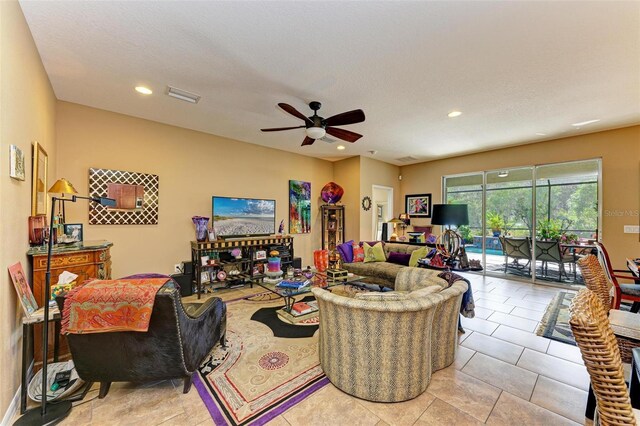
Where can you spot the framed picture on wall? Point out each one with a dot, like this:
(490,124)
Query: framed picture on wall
(39,184)
(418,205)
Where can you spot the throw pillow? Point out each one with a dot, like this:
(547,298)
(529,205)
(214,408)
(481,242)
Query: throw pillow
(373,254)
(381,297)
(417,254)
(399,258)
(358,254)
(346,251)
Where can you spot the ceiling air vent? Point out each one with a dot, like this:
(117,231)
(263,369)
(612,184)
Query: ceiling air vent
(183,95)
(406,159)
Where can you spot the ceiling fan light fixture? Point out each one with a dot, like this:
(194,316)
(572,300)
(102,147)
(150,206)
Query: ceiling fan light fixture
(315,132)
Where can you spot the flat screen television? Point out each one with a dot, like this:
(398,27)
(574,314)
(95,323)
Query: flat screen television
(243,217)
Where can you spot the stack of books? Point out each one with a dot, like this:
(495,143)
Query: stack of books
(303,308)
(293,285)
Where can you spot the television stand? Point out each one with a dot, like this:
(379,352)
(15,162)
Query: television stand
(220,259)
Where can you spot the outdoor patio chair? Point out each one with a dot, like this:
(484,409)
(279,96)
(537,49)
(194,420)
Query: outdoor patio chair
(516,248)
(550,251)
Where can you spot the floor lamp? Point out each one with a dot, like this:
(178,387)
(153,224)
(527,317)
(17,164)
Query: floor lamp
(50,414)
(448,215)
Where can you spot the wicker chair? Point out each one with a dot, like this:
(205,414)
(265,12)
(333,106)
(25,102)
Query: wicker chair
(595,279)
(599,348)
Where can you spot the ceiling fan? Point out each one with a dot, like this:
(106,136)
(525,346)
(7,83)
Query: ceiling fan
(316,126)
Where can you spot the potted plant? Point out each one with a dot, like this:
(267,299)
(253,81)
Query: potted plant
(549,229)
(495,222)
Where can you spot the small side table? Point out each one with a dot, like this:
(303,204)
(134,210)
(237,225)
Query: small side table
(27,329)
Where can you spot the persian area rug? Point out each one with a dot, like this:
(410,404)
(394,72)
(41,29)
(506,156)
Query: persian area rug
(555,322)
(258,376)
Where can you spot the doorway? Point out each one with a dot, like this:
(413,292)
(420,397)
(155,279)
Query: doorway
(382,210)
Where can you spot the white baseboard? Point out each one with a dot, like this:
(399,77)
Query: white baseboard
(12,410)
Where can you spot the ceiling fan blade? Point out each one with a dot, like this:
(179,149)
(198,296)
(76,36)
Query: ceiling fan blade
(345,135)
(277,129)
(291,110)
(308,141)
(349,117)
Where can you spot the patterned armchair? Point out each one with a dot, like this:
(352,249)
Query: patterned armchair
(179,337)
(384,346)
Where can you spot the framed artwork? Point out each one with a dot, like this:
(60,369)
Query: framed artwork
(23,290)
(418,205)
(16,163)
(39,184)
(299,207)
(73,231)
(136,195)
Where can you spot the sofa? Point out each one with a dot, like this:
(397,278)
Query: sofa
(381,273)
(383,346)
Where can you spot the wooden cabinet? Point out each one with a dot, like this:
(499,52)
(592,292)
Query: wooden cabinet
(90,259)
(332,226)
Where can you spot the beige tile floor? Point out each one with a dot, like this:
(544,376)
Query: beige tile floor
(503,375)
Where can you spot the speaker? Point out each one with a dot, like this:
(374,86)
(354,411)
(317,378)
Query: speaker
(297,262)
(188,267)
(385,232)
(184,281)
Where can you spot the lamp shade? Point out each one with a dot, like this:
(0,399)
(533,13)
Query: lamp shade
(62,186)
(450,214)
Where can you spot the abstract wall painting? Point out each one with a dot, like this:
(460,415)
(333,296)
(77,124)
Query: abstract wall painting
(299,207)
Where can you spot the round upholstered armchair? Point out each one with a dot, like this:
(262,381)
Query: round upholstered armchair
(379,346)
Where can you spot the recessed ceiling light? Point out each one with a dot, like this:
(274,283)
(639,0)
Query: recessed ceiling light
(541,134)
(454,114)
(503,173)
(341,147)
(584,123)
(144,90)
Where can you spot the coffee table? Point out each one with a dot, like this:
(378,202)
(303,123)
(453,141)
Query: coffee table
(319,280)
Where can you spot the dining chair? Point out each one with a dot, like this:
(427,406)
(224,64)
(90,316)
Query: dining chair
(629,292)
(598,346)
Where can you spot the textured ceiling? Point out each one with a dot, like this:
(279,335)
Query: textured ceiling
(512,68)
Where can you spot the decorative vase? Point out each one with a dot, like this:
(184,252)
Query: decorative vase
(321,260)
(331,193)
(201,227)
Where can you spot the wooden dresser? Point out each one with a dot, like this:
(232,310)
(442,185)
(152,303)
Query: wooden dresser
(88,259)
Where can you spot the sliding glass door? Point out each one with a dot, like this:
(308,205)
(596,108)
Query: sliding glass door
(530,222)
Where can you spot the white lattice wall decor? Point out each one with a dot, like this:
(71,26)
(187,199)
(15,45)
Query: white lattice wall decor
(100,215)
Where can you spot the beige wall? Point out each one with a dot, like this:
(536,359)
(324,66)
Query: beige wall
(620,153)
(191,166)
(27,114)
(374,172)
(346,173)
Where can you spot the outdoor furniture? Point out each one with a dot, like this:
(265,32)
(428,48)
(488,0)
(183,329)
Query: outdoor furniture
(516,248)
(179,337)
(599,349)
(629,292)
(549,251)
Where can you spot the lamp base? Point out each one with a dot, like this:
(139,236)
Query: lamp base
(56,412)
